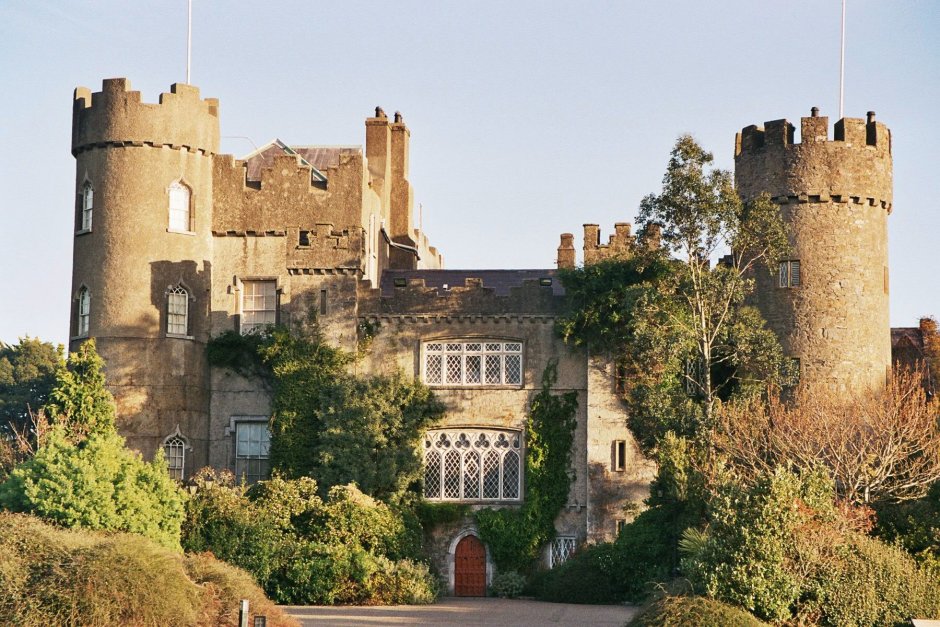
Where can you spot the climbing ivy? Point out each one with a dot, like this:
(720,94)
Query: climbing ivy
(329,424)
(514,536)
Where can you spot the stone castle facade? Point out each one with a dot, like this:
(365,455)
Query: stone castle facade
(176,243)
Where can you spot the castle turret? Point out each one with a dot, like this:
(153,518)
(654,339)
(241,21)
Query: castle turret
(141,272)
(828,300)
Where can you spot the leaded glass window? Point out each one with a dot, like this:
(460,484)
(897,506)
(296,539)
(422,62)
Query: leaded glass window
(473,464)
(473,362)
(177,311)
(562,548)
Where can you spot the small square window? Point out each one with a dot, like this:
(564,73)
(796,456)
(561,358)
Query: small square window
(789,274)
(621,523)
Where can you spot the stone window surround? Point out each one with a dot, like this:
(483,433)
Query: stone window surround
(238,289)
(789,274)
(87,200)
(475,432)
(82,312)
(181,183)
(231,431)
(175,439)
(190,298)
(465,339)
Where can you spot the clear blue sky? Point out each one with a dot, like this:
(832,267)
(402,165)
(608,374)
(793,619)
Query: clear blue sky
(528,119)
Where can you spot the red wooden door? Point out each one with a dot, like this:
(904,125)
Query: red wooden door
(470,568)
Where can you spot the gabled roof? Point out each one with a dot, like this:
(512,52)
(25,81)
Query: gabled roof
(318,158)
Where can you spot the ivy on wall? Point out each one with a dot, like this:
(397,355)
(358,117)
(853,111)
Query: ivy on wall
(329,424)
(515,535)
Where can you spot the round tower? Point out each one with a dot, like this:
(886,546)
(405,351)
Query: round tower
(143,245)
(828,300)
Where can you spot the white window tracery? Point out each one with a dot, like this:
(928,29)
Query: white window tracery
(180,213)
(177,311)
(473,362)
(562,548)
(88,202)
(84,312)
(174,450)
(472,464)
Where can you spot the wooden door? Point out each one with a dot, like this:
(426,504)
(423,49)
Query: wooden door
(470,568)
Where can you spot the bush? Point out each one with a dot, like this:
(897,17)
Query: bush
(303,550)
(681,611)
(587,577)
(507,585)
(97,484)
(50,576)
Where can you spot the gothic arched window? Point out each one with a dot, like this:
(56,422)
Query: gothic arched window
(177,311)
(472,465)
(84,312)
(174,450)
(88,203)
(180,212)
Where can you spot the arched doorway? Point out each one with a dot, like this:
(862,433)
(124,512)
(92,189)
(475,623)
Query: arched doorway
(470,568)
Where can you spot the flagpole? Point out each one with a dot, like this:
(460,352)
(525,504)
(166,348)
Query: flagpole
(189,40)
(841,66)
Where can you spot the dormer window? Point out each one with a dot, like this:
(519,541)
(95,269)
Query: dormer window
(180,212)
(472,363)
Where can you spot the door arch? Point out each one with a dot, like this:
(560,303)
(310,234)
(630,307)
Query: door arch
(470,568)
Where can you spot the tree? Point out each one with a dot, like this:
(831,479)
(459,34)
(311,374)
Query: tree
(882,446)
(703,307)
(28,372)
(80,401)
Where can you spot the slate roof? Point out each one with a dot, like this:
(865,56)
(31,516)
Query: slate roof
(319,157)
(907,337)
(502,281)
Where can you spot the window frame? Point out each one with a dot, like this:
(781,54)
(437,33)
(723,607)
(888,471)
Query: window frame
(176,439)
(619,455)
(236,423)
(83,312)
(87,204)
(443,349)
(253,327)
(786,271)
(560,550)
(172,225)
(178,290)
(466,443)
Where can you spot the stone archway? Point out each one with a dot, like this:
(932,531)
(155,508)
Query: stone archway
(470,567)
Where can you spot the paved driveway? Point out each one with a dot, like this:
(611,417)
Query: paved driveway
(467,611)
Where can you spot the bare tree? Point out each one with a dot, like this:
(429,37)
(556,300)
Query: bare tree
(882,446)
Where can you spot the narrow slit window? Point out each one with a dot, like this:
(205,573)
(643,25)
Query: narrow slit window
(620,455)
(84,312)
(88,203)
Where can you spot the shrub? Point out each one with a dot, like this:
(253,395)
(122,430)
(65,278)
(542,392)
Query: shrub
(587,577)
(51,576)
(682,611)
(304,550)
(507,585)
(97,484)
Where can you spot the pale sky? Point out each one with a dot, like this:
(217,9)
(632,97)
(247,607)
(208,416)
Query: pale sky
(528,119)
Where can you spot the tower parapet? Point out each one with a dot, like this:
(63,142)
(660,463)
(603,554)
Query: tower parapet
(828,300)
(116,116)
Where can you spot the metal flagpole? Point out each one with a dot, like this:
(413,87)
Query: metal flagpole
(189,41)
(841,66)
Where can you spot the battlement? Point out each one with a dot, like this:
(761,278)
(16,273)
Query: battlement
(621,244)
(848,133)
(116,116)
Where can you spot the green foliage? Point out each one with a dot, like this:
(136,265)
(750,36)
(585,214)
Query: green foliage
(51,576)
(686,611)
(79,400)
(431,514)
(507,585)
(329,424)
(915,526)
(97,484)
(27,374)
(591,576)
(514,536)
(302,549)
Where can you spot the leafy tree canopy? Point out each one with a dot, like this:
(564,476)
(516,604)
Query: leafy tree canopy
(80,401)
(28,372)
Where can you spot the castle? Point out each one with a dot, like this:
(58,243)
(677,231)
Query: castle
(176,243)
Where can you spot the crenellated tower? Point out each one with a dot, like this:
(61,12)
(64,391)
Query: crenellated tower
(828,300)
(142,254)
